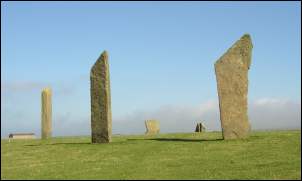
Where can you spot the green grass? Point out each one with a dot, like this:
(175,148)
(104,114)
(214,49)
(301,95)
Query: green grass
(264,155)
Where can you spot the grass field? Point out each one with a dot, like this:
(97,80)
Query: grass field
(264,155)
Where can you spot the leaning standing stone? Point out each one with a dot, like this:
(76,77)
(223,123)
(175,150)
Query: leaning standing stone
(101,120)
(46,113)
(232,84)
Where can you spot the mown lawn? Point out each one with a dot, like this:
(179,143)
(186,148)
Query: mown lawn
(264,155)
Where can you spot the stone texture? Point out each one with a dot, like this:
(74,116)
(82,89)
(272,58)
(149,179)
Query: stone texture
(152,126)
(200,128)
(101,118)
(232,83)
(46,111)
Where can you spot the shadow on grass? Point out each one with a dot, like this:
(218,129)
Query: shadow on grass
(62,144)
(177,139)
(146,139)
(69,143)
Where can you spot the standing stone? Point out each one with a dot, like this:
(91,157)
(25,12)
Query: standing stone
(152,127)
(197,128)
(101,119)
(46,113)
(232,83)
(200,128)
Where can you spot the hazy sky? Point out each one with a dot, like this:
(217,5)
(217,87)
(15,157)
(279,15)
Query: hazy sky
(161,55)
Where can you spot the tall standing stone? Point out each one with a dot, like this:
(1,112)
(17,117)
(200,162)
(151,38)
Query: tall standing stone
(46,114)
(101,119)
(232,83)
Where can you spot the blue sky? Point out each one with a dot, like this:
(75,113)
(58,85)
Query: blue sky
(161,55)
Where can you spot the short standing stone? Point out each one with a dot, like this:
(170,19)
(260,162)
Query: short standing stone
(152,126)
(200,128)
(46,114)
(232,84)
(101,118)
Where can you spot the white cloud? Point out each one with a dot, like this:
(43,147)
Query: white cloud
(172,118)
(275,113)
(21,86)
(71,125)
(265,113)
(270,101)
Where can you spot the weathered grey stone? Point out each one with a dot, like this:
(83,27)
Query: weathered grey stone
(152,126)
(46,111)
(232,83)
(101,118)
(200,128)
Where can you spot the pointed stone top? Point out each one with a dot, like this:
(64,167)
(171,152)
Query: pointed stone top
(246,36)
(245,40)
(241,48)
(104,55)
(100,62)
